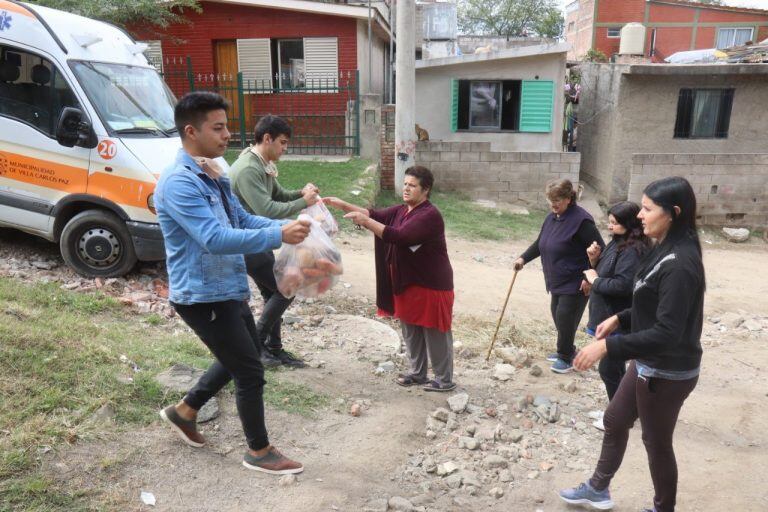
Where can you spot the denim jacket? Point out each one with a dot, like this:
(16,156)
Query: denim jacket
(204,247)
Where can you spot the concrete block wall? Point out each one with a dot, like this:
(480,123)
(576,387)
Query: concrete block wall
(731,188)
(473,169)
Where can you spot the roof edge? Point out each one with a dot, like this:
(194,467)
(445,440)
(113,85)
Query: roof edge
(509,53)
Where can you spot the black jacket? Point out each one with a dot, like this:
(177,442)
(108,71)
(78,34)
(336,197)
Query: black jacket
(667,310)
(612,290)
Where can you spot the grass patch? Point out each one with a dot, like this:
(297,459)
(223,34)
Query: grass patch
(64,355)
(467,220)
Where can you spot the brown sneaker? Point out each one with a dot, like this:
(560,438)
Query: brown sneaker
(187,429)
(274,463)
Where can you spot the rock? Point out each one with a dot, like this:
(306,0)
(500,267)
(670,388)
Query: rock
(458,402)
(441,414)
(731,320)
(736,235)
(422,500)
(104,414)
(516,357)
(453,481)
(470,479)
(546,466)
(496,492)
(520,404)
(400,504)
(355,410)
(287,480)
(515,436)
(143,307)
(291,318)
(470,443)
(490,412)
(541,400)
(485,434)
(470,429)
(429,465)
(44,265)
(536,370)
(379,505)
(452,424)
(446,468)
(752,325)
(209,411)
(435,425)
(179,377)
(387,366)
(430,434)
(478,258)
(533,475)
(495,461)
(503,372)
(553,415)
(506,476)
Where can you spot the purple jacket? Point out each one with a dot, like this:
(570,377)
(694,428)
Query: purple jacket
(413,247)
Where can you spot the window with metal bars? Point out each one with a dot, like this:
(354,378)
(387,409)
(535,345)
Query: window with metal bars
(703,113)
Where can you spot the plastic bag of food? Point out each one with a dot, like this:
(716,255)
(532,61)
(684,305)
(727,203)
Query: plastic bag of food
(310,268)
(321,214)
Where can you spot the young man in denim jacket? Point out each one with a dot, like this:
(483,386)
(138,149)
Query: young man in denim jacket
(206,233)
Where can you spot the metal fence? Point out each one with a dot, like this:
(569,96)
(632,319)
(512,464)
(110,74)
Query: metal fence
(324,112)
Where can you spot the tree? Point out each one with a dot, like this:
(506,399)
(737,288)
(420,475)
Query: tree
(159,13)
(510,18)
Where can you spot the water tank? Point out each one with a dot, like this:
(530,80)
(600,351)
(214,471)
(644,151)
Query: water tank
(632,39)
(439,21)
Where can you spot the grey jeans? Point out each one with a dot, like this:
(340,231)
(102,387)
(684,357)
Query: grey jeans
(422,342)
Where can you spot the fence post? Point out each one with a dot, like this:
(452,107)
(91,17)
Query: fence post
(190,74)
(241,104)
(357,112)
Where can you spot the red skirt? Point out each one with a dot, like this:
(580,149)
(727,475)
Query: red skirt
(424,307)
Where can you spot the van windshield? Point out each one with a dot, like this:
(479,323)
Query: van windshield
(132,101)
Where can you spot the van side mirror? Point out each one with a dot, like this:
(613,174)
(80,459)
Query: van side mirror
(74,129)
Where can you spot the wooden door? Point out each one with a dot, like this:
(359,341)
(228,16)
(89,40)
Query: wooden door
(226,67)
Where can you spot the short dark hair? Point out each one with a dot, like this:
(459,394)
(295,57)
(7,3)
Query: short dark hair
(275,126)
(424,175)
(193,108)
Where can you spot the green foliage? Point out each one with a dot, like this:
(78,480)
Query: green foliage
(595,56)
(123,12)
(511,18)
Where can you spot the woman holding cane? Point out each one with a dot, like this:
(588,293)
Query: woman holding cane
(665,323)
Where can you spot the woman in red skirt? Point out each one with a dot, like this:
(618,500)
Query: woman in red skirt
(414,278)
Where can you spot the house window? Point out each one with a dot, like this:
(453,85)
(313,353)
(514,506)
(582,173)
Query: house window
(571,26)
(488,105)
(289,55)
(614,32)
(154,53)
(728,37)
(703,113)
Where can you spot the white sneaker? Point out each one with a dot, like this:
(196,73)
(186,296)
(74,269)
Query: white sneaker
(598,424)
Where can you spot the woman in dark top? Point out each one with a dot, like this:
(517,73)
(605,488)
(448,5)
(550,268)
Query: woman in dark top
(665,323)
(609,281)
(414,278)
(566,234)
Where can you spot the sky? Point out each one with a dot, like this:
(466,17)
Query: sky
(759,4)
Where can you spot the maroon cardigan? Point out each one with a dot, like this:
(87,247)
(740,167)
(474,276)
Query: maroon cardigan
(428,266)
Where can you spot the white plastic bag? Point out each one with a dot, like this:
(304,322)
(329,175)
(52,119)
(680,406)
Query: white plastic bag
(310,268)
(321,214)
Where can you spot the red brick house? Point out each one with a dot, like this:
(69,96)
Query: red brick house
(302,59)
(671,26)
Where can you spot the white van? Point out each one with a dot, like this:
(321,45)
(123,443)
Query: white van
(86,127)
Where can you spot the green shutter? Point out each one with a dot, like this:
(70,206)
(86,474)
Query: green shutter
(454,105)
(537,100)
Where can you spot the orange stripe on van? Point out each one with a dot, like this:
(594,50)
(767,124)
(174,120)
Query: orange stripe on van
(19,9)
(43,173)
(75,180)
(120,190)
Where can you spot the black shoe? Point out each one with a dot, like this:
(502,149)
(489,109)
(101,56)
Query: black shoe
(269,360)
(287,359)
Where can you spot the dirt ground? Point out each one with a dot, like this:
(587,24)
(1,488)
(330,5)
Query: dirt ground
(721,438)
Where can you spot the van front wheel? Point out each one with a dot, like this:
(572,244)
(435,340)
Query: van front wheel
(96,243)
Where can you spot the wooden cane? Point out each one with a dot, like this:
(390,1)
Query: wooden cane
(503,309)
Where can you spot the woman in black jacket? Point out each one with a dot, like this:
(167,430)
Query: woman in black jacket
(664,342)
(609,282)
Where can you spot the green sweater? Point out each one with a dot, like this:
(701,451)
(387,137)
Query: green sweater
(259,192)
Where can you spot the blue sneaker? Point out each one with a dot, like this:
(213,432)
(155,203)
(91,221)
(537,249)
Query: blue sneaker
(584,494)
(561,366)
(553,357)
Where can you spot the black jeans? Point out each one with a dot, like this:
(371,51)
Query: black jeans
(611,371)
(261,269)
(228,330)
(566,312)
(657,402)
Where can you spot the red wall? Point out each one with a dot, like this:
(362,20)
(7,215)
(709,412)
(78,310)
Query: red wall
(669,40)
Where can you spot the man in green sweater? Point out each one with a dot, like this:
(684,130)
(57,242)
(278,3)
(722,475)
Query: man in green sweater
(254,181)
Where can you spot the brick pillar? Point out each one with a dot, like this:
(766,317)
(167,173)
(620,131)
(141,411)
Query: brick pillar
(387,140)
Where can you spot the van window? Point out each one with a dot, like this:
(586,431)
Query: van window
(32,90)
(131,100)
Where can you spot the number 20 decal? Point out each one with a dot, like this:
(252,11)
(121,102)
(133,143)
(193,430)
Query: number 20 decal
(107,149)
